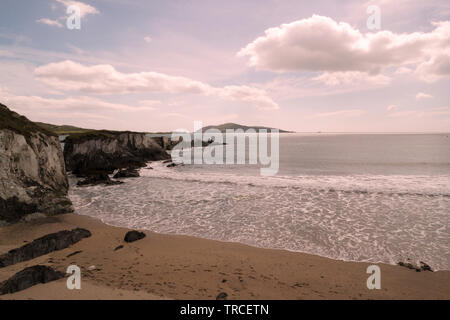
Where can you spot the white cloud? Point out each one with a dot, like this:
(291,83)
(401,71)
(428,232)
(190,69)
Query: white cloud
(322,44)
(50,22)
(391,107)
(105,79)
(85,8)
(352,77)
(68,105)
(147,39)
(422,95)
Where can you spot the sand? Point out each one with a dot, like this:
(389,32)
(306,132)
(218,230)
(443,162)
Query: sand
(181,267)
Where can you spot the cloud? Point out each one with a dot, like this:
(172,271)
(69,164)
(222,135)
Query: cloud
(85,8)
(147,39)
(352,77)
(105,79)
(340,113)
(422,95)
(391,107)
(69,104)
(403,70)
(50,22)
(322,44)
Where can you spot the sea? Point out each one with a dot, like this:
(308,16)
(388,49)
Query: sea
(353,197)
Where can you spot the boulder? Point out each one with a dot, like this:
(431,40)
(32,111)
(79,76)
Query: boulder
(134,235)
(127,173)
(29,277)
(46,244)
(222,296)
(32,164)
(98,178)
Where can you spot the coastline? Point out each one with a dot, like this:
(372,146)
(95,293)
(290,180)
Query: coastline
(184,267)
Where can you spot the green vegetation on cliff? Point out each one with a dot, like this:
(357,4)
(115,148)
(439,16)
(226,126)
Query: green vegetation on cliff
(62,129)
(19,124)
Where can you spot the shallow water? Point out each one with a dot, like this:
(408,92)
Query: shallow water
(378,198)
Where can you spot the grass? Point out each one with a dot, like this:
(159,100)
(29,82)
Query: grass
(19,124)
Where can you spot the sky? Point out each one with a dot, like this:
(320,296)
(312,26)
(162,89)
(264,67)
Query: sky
(304,66)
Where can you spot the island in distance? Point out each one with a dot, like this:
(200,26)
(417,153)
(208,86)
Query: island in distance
(235,126)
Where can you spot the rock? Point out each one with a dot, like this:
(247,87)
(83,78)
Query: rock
(29,277)
(118,247)
(98,178)
(46,244)
(222,296)
(127,173)
(32,163)
(73,253)
(109,150)
(33,217)
(134,235)
(167,161)
(423,266)
(92,268)
(171,165)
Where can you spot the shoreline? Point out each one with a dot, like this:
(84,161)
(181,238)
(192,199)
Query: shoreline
(184,267)
(249,245)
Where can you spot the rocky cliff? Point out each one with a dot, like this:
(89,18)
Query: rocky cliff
(95,151)
(32,171)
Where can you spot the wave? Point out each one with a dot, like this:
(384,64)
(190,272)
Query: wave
(420,185)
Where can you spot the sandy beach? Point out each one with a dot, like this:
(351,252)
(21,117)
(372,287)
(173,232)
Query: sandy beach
(181,267)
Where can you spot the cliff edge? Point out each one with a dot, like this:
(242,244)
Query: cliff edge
(32,172)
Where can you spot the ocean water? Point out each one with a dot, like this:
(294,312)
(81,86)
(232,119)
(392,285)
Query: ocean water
(359,197)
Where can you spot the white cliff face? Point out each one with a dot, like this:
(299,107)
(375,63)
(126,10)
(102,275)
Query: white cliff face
(107,151)
(120,145)
(32,175)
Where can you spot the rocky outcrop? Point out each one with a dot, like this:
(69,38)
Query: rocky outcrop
(98,178)
(32,172)
(423,266)
(107,151)
(29,277)
(127,173)
(46,244)
(134,235)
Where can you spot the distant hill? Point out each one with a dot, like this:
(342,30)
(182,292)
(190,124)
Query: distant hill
(234,126)
(62,129)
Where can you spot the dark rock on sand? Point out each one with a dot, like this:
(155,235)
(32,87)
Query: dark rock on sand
(32,168)
(134,235)
(74,253)
(171,165)
(423,266)
(118,248)
(127,173)
(222,296)
(29,277)
(46,244)
(96,179)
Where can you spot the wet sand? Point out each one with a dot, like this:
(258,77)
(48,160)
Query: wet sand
(181,267)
